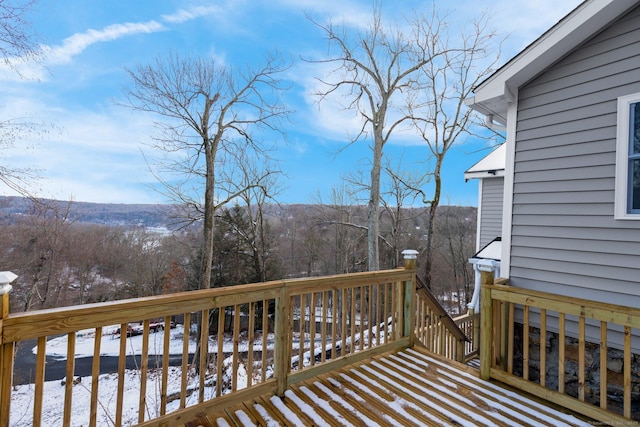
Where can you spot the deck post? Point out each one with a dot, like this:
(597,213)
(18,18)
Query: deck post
(486,325)
(6,349)
(282,350)
(410,260)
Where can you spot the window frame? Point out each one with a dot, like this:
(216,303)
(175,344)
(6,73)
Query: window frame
(623,157)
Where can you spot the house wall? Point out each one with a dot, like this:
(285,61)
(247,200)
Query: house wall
(491,201)
(564,236)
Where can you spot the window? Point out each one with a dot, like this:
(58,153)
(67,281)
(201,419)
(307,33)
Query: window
(627,198)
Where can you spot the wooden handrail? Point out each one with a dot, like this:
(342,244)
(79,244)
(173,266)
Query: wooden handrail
(568,323)
(442,314)
(368,313)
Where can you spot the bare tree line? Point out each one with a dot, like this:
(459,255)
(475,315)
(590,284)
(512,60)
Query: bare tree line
(62,261)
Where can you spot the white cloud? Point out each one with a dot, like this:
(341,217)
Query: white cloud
(77,43)
(71,47)
(184,15)
(90,155)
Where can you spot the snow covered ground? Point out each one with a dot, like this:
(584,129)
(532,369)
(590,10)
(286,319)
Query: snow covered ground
(53,395)
(110,343)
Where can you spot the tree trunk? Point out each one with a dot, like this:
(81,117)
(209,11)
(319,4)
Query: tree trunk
(373,207)
(432,219)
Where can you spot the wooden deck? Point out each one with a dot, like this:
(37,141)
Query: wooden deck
(401,388)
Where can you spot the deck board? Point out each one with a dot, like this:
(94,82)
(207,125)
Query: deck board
(405,387)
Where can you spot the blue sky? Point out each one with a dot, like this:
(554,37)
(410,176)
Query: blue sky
(93,150)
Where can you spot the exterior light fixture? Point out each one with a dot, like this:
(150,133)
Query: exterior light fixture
(410,254)
(6,277)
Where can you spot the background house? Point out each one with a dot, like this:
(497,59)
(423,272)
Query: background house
(489,172)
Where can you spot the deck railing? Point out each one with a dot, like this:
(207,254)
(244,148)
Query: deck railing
(256,339)
(439,332)
(574,352)
(469,324)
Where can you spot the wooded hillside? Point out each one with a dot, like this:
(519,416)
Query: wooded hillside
(74,253)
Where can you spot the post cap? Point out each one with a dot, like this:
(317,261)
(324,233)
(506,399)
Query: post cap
(7,277)
(410,254)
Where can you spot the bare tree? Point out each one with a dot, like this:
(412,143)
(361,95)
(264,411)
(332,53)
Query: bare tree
(13,131)
(256,182)
(460,62)
(397,189)
(457,229)
(209,112)
(343,226)
(38,247)
(18,45)
(375,71)
(399,192)
(17,42)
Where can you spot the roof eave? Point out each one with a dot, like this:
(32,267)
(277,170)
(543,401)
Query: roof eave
(493,96)
(484,174)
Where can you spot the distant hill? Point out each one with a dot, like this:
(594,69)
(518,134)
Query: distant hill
(129,215)
(160,215)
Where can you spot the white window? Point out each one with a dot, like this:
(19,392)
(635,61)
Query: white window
(627,201)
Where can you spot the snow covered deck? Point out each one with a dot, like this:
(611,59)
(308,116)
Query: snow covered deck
(404,387)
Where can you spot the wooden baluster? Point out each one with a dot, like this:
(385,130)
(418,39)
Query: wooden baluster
(361,317)
(525,344)
(220,354)
(250,339)
(510,337)
(302,320)
(70,371)
(144,362)
(312,329)
(561,351)
(603,365)
(325,304)
(581,356)
(334,321)
(235,361)
(379,310)
(166,334)
(204,352)
(265,338)
(422,316)
(543,347)
(186,332)
(95,375)
(370,316)
(122,359)
(394,311)
(39,380)
(352,320)
(627,372)
(343,313)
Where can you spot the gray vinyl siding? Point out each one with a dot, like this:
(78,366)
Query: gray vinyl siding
(491,209)
(565,239)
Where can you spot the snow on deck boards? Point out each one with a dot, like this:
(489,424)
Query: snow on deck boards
(403,388)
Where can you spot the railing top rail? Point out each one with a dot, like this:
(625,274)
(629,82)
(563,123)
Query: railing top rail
(465,318)
(619,314)
(300,286)
(26,325)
